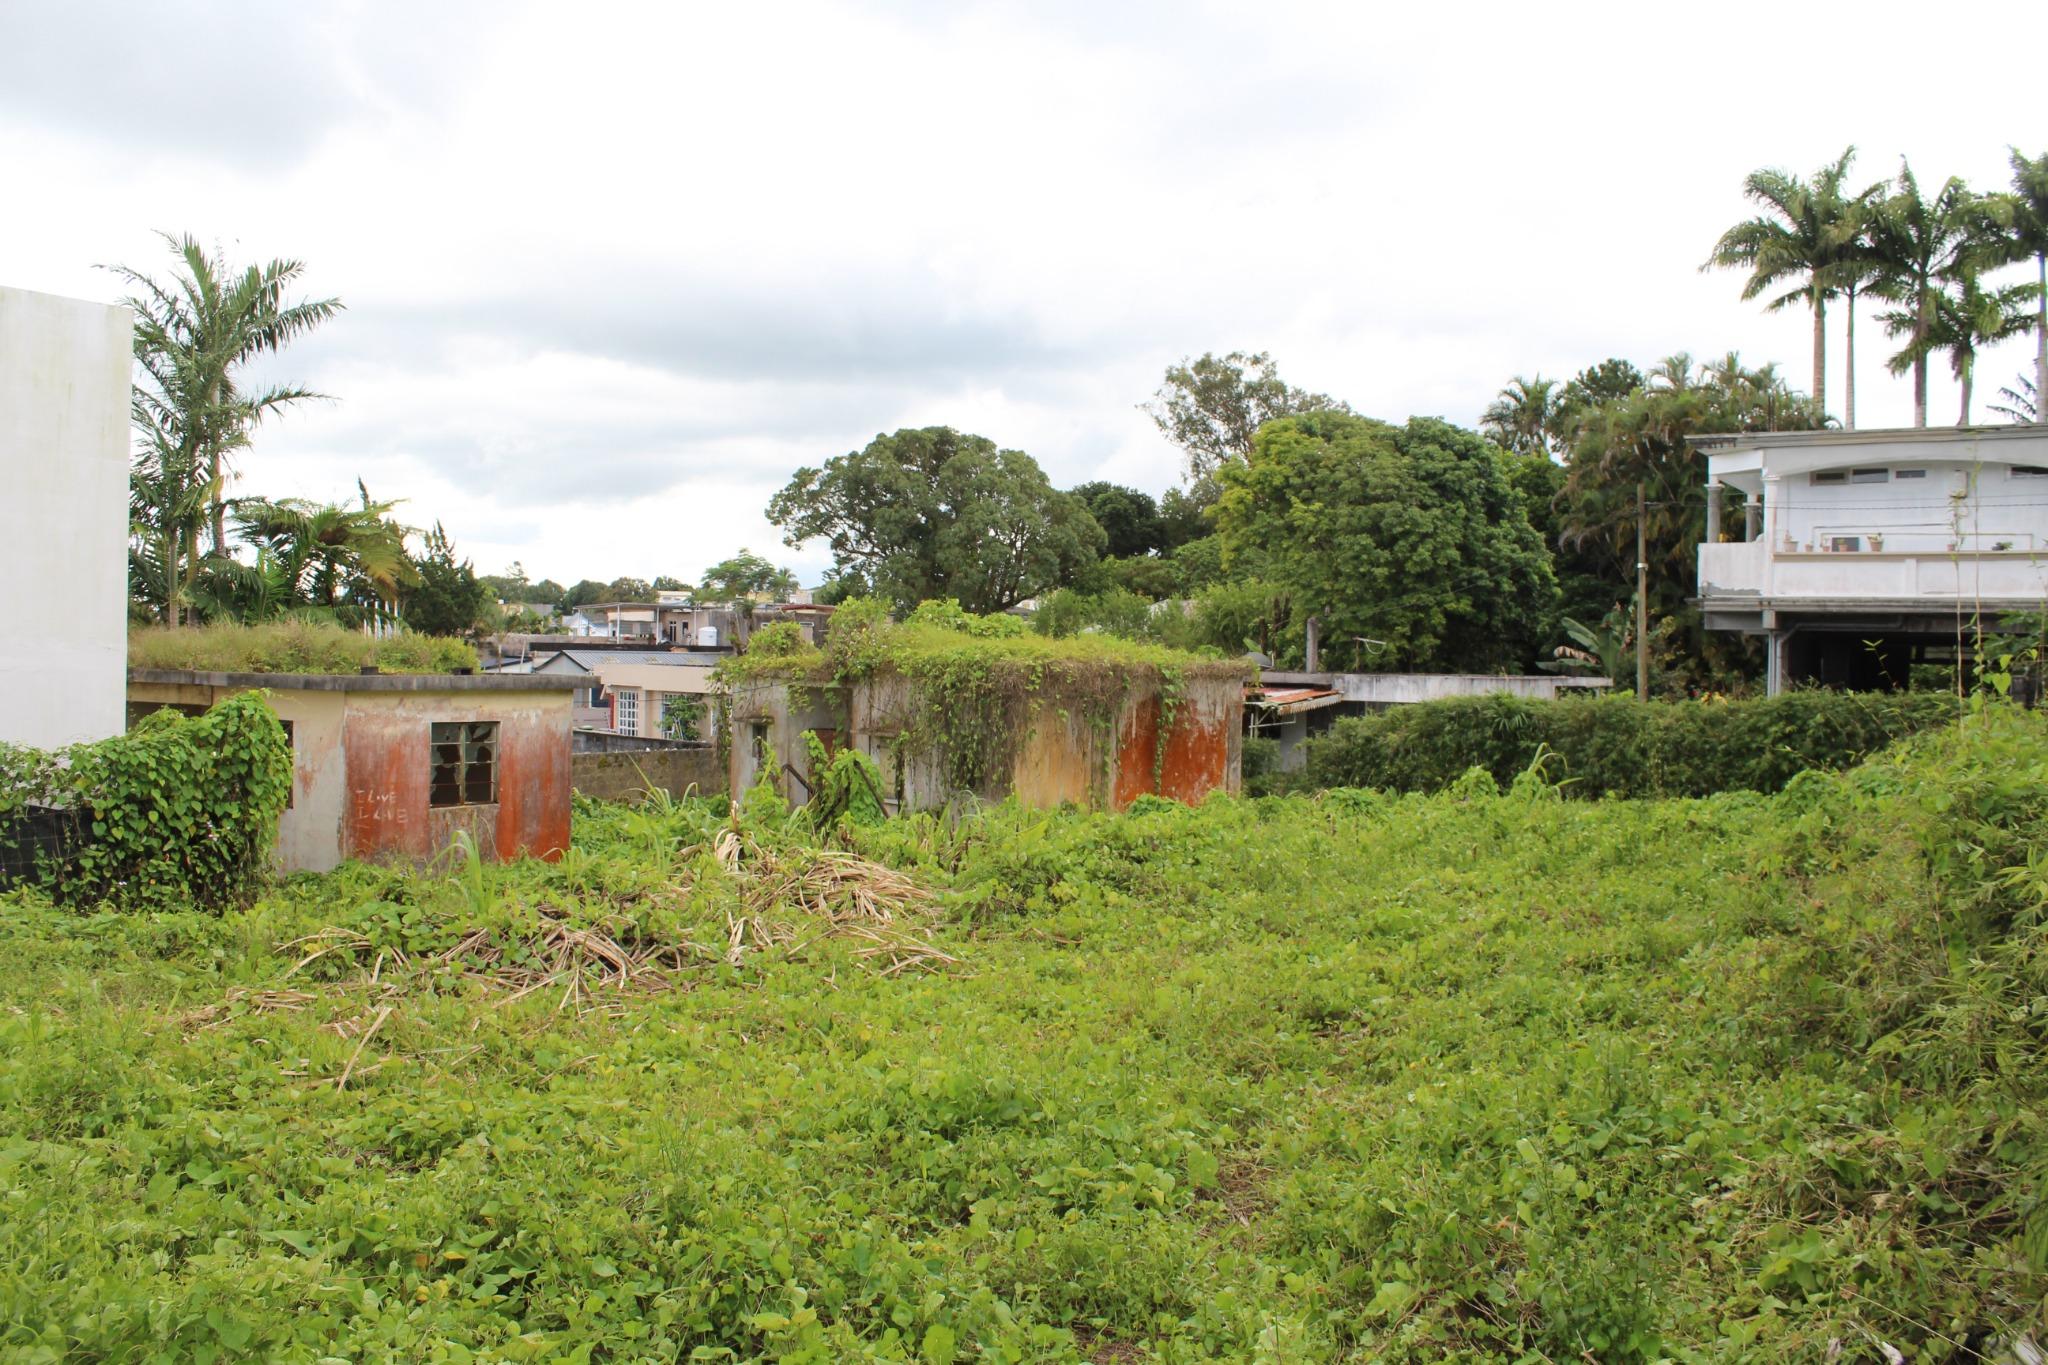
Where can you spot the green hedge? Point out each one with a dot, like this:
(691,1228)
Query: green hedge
(1618,746)
(179,813)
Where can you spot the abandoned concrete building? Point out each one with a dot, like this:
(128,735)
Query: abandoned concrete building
(391,766)
(1181,740)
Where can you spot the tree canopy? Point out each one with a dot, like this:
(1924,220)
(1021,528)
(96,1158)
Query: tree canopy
(1212,408)
(447,598)
(934,513)
(745,575)
(1412,537)
(1128,518)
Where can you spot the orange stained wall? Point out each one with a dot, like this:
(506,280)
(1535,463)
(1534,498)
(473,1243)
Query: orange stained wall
(386,740)
(1199,744)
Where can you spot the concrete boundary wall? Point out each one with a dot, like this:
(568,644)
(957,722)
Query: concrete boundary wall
(627,776)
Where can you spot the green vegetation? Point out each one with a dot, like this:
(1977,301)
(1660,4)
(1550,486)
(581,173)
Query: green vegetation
(1490,1077)
(982,683)
(1413,540)
(293,646)
(933,513)
(1618,746)
(178,812)
(193,411)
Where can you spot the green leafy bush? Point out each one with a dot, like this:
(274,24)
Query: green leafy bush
(292,646)
(180,812)
(1618,746)
(1482,1076)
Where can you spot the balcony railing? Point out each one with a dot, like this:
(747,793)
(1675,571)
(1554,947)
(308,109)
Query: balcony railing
(1752,569)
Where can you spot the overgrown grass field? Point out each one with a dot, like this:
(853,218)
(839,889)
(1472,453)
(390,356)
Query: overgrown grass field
(1487,1075)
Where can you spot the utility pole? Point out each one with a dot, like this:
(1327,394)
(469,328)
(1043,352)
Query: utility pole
(1642,605)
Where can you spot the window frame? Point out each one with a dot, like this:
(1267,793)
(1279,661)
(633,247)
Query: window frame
(626,700)
(476,744)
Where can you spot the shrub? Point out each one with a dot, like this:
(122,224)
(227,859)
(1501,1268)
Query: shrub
(178,813)
(1618,746)
(292,646)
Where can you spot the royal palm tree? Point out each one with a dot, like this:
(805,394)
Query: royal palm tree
(2024,216)
(1919,245)
(1854,272)
(194,334)
(1801,240)
(1524,417)
(1967,318)
(2022,401)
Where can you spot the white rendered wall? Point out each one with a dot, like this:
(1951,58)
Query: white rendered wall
(64,374)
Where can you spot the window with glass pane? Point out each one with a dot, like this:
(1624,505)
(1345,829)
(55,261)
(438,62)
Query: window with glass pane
(626,720)
(465,763)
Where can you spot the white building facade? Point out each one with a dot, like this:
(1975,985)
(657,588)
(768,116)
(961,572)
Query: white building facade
(1856,553)
(64,377)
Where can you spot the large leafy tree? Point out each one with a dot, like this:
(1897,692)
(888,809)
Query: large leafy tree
(446,597)
(1414,538)
(1639,441)
(930,512)
(1524,417)
(1920,244)
(1128,518)
(1212,408)
(743,576)
(195,333)
(1796,249)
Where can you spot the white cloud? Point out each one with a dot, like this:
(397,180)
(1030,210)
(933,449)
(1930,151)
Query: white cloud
(613,272)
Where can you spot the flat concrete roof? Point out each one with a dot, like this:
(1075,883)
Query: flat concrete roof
(362,682)
(1834,436)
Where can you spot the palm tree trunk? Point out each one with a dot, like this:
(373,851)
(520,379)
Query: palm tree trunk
(1820,352)
(1920,330)
(2041,344)
(1966,373)
(1849,369)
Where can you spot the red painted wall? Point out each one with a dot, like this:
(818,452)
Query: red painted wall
(386,744)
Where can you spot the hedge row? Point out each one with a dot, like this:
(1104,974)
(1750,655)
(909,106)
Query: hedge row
(179,813)
(1618,746)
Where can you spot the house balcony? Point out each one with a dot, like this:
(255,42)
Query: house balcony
(1752,576)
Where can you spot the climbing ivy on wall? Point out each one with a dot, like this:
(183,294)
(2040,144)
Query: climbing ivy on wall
(180,812)
(980,685)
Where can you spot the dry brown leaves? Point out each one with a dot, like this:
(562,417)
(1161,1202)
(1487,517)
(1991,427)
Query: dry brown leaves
(789,900)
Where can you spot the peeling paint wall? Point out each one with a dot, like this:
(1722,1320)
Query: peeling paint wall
(386,737)
(768,713)
(1063,758)
(361,761)
(309,831)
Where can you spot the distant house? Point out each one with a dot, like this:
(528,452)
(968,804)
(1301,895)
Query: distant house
(1863,552)
(626,691)
(678,619)
(64,382)
(393,766)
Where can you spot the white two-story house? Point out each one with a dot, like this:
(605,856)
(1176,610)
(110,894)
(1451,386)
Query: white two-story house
(1858,553)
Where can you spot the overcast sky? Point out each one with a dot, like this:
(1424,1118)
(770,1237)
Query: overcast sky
(613,272)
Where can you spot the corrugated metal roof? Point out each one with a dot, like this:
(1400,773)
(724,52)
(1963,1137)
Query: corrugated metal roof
(587,659)
(1289,701)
